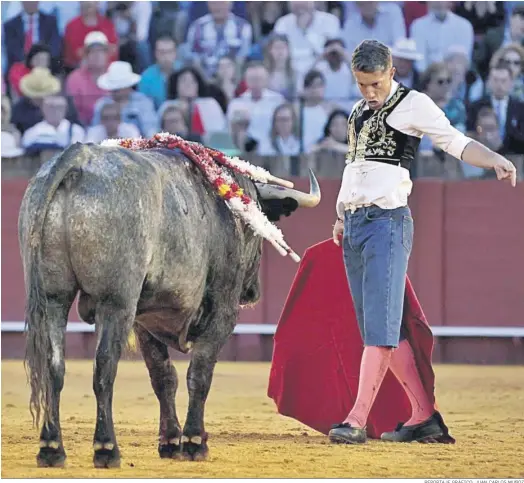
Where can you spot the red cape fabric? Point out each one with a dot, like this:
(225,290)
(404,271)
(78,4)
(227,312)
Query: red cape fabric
(318,347)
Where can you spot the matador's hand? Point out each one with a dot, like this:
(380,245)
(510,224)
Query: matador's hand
(338,231)
(505,169)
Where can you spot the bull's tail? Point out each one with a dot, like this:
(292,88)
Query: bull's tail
(67,167)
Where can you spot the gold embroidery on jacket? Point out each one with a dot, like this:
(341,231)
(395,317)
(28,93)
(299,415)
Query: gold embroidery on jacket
(350,156)
(373,140)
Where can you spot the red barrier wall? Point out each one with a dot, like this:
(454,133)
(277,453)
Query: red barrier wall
(467,263)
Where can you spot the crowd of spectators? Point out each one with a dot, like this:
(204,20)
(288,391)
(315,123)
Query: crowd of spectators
(261,78)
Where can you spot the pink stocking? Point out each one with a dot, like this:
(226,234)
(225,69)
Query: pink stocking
(404,367)
(373,368)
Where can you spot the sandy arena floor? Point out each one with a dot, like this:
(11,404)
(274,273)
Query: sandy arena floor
(484,407)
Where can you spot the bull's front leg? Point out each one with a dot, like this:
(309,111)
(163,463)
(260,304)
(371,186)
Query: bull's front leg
(199,377)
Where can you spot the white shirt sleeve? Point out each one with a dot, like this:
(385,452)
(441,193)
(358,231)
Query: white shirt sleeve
(95,134)
(428,119)
(142,12)
(333,25)
(77,134)
(398,25)
(419,29)
(281,25)
(30,135)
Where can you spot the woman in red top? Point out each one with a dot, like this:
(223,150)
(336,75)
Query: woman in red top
(38,56)
(76,30)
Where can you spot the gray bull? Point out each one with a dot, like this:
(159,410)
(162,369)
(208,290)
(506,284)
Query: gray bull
(147,244)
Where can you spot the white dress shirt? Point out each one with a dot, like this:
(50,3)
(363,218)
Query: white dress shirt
(97,134)
(285,147)
(261,111)
(307,45)
(44,133)
(388,27)
(388,186)
(435,38)
(338,83)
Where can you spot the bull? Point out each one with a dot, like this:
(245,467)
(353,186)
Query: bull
(148,246)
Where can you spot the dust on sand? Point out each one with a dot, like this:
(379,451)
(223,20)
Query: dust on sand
(483,406)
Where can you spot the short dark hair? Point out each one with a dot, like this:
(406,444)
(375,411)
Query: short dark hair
(371,56)
(254,63)
(34,50)
(165,38)
(311,76)
(486,111)
(518,10)
(172,88)
(336,40)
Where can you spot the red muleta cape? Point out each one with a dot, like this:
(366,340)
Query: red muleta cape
(318,347)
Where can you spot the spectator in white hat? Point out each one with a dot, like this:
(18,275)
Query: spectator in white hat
(405,55)
(135,107)
(9,146)
(81,84)
(89,20)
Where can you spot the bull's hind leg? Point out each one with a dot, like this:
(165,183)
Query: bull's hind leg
(199,377)
(165,383)
(52,453)
(113,323)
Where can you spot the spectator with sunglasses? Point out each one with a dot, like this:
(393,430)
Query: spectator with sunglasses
(513,56)
(436,82)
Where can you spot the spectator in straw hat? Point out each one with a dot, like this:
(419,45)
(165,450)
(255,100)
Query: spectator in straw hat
(135,107)
(81,84)
(405,55)
(9,146)
(35,86)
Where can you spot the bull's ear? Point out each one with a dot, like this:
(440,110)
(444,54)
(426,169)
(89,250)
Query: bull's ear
(274,209)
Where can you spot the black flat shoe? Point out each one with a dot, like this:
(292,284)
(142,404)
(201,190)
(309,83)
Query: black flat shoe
(344,433)
(433,430)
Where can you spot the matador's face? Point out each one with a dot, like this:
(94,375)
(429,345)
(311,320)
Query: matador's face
(375,86)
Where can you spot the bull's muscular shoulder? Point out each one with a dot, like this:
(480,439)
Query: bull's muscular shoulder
(275,209)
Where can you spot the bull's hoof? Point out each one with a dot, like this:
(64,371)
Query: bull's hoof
(194,448)
(51,455)
(106,455)
(171,449)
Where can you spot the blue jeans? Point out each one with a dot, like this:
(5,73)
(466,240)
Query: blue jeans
(377,244)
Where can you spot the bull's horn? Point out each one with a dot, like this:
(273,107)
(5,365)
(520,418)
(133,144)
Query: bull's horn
(305,200)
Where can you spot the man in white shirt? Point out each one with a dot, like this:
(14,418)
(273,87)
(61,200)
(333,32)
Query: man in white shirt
(335,65)
(438,31)
(307,30)
(259,100)
(55,131)
(376,228)
(373,20)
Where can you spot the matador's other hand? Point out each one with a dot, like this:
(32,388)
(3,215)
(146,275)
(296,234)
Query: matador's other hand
(505,169)
(338,231)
